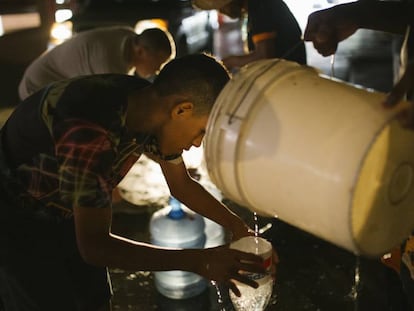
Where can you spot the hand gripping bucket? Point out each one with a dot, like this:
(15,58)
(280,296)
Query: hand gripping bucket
(318,153)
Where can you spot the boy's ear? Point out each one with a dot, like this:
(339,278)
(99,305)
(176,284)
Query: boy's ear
(182,110)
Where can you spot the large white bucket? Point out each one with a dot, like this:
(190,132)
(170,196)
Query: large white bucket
(318,153)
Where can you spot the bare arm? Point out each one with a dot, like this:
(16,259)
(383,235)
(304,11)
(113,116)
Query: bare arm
(389,16)
(193,195)
(263,49)
(99,247)
(326,28)
(404,87)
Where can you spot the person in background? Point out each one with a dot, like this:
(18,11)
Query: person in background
(114,49)
(65,148)
(326,28)
(272,30)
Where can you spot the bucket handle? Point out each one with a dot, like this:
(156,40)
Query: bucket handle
(232,114)
(267,68)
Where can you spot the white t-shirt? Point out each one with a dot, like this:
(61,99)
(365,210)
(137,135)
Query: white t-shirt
(94,51)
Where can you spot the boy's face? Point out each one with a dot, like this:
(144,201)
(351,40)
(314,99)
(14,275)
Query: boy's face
(182,131)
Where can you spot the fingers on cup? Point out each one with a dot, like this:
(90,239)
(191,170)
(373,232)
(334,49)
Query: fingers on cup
(255,268)
(242,278)
(249,257)
(234,289)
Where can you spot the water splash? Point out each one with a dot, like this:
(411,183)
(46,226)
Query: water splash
(259,231)
(219,296)
(355,288)
(273,299)
(256,224)
(256,299)
(265,228)
(333,66)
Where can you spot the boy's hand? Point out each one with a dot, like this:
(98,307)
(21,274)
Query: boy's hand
(226,265)
(326,28)
(404,87)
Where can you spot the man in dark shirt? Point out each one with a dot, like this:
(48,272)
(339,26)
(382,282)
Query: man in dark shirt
(272,30)
(65,148)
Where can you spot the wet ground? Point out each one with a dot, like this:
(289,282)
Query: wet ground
(312,274)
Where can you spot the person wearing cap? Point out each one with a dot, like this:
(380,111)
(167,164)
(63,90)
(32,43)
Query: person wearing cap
(273,31)
(115,49)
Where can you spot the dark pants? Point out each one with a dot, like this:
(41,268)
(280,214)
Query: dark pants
(40,266)
(41,269)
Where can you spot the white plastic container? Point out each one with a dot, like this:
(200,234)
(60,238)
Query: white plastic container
(318,153)
(215,234)
(174,227)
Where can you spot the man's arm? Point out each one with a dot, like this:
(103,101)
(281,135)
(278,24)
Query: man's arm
(99,247)
(264,49)
(326,28)
(85,155)
(194,196)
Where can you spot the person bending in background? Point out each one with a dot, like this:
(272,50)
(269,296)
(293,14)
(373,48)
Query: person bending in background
(326,28)
(114,49)
(62,152)
(272,30)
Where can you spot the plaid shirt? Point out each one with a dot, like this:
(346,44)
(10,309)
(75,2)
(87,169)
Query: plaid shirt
(87,151)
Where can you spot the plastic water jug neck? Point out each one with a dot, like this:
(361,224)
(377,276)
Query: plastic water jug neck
(176,211)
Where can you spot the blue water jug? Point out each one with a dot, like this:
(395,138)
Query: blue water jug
(178,227)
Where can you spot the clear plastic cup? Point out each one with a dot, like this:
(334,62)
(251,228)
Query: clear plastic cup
(254,299)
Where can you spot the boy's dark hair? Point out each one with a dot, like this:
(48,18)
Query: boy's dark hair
(198,77)
(157,40)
